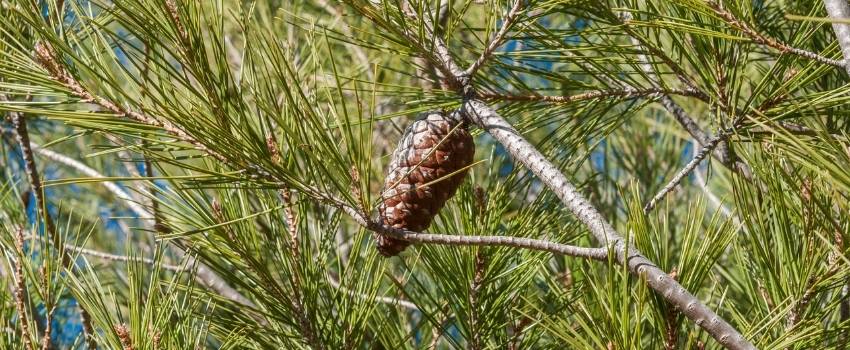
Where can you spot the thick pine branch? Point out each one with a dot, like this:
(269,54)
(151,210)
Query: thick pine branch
(524,152)
(840,10)
(657,279)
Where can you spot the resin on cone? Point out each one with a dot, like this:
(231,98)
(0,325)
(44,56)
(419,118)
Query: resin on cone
(428,165)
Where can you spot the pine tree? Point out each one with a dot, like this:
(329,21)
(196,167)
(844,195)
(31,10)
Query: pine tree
(582,174)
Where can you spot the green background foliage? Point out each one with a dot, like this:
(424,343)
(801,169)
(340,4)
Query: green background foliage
(266,115)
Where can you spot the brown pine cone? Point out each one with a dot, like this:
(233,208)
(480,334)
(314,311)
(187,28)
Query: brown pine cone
(433,147)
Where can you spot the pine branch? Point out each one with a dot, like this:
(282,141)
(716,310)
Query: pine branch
(204,274)
(688,123)
(548,173)
(524,152)
(759,38)
(624,93)
(840,10)
(497,39)
(47,58)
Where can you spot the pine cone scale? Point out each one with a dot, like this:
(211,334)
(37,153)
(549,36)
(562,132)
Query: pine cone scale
(427,167)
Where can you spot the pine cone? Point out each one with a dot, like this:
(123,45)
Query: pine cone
(408,203)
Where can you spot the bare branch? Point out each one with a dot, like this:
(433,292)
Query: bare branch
(768,41)
(498,38)
(88,171)
(361,218)
(624,93)
(122,258)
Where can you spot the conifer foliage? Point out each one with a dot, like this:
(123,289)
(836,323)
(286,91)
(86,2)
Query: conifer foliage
(535,174)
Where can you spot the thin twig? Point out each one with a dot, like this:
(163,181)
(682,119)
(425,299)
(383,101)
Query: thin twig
(686,121)
(88,171)
(307,328)
(88,330)
(794,129)
(46,339)
(474,290)
(624,93)
(671,323)
(108,256)
(20,125)
(381,299)
(671,106)
(768,41)
(454,76)
(677,69)
(518,329)
(715,201)
(698,157)
(437,333)
(171,8)
(600,254)
(498,38)
(204,274)
(122,258)
(21,290)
